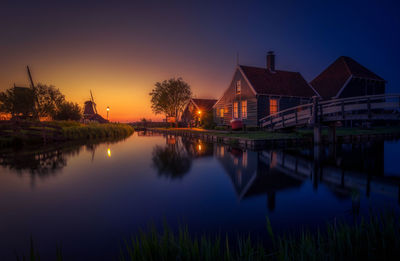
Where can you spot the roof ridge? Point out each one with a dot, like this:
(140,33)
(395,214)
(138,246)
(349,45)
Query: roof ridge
(262,68)
(346,65)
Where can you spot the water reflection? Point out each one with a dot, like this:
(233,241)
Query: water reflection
(174,160)
(348,170)
(47,161)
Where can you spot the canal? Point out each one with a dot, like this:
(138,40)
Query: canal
(89,198)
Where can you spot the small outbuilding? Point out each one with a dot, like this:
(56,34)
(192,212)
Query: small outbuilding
(195,110)
(347,78)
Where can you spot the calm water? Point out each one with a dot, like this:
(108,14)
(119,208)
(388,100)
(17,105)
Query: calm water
(91,197)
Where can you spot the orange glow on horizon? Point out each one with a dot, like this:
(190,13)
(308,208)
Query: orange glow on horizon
(116,81)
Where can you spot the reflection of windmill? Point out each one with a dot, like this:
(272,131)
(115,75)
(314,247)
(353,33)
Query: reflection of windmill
(90,111)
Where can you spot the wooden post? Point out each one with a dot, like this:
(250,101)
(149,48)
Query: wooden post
(315,121)
(317,134)
(332,133)
(283,120)
(295,115)
(369,108)
(342,110)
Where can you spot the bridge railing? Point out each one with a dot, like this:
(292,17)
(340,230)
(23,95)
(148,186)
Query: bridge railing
(361,107)
(291,116)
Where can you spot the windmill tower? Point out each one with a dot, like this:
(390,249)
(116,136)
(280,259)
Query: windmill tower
(90,112)
(90,108)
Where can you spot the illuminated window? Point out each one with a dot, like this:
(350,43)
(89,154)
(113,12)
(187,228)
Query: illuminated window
(238,87)
(221,112)
(273,106)
(244,109)
(235,110)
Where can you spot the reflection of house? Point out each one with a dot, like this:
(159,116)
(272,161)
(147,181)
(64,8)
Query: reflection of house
(254,93)
(251,176)
(195,109)
(347,78)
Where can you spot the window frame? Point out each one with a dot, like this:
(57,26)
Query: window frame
(276,105)
(244,109)
(238,87)
(235,110)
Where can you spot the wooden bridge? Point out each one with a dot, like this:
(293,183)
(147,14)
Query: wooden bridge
(373,107)
(363,108)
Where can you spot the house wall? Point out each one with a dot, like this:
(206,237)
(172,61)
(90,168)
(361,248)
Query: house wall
(187,114)
(230,96)
(361,87)
(284,103)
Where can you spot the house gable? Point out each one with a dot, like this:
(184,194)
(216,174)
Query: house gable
(230,95)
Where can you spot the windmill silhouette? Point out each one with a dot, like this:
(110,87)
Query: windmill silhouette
(90,111)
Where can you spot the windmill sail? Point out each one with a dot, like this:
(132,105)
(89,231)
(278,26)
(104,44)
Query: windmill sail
(94,104)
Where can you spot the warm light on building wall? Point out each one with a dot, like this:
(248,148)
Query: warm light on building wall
(199,147)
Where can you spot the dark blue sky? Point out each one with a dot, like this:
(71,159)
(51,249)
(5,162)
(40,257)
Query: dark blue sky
(96,45)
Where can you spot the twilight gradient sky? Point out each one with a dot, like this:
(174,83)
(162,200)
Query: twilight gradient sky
(119,50)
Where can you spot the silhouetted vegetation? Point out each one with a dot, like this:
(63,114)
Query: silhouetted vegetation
(171,161)
(68,111)
(38,101)
(170,97)
(376,238)
(29,133)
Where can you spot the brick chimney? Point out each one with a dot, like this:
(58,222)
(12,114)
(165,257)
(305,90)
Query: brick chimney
(271,61)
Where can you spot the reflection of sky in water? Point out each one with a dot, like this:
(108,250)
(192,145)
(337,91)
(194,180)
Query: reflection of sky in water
(93,200)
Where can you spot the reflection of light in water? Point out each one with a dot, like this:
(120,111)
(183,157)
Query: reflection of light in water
(109,152)
(199,147)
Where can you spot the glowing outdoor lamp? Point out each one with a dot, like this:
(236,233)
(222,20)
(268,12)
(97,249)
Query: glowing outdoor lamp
(199,112)
(109,152)
(108,109)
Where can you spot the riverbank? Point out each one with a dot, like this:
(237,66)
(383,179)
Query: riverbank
(25,133)
(373,238)
(300,137)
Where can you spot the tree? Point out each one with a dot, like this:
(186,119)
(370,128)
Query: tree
(48,99)
(17,101)
(68,111)
(169,97)
(40,101)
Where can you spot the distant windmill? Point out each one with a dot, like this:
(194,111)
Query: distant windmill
(90,107)
(90,111)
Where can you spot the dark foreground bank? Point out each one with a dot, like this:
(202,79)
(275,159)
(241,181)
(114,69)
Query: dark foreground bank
(374,238)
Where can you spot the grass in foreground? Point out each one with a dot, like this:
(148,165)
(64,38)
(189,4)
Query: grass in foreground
(376,238)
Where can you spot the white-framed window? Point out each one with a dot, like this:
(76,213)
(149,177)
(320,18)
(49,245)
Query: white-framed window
(238,87)
(273,105)
(235,110)
(244,109)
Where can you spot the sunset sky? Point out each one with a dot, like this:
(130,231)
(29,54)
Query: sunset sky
(120,50)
